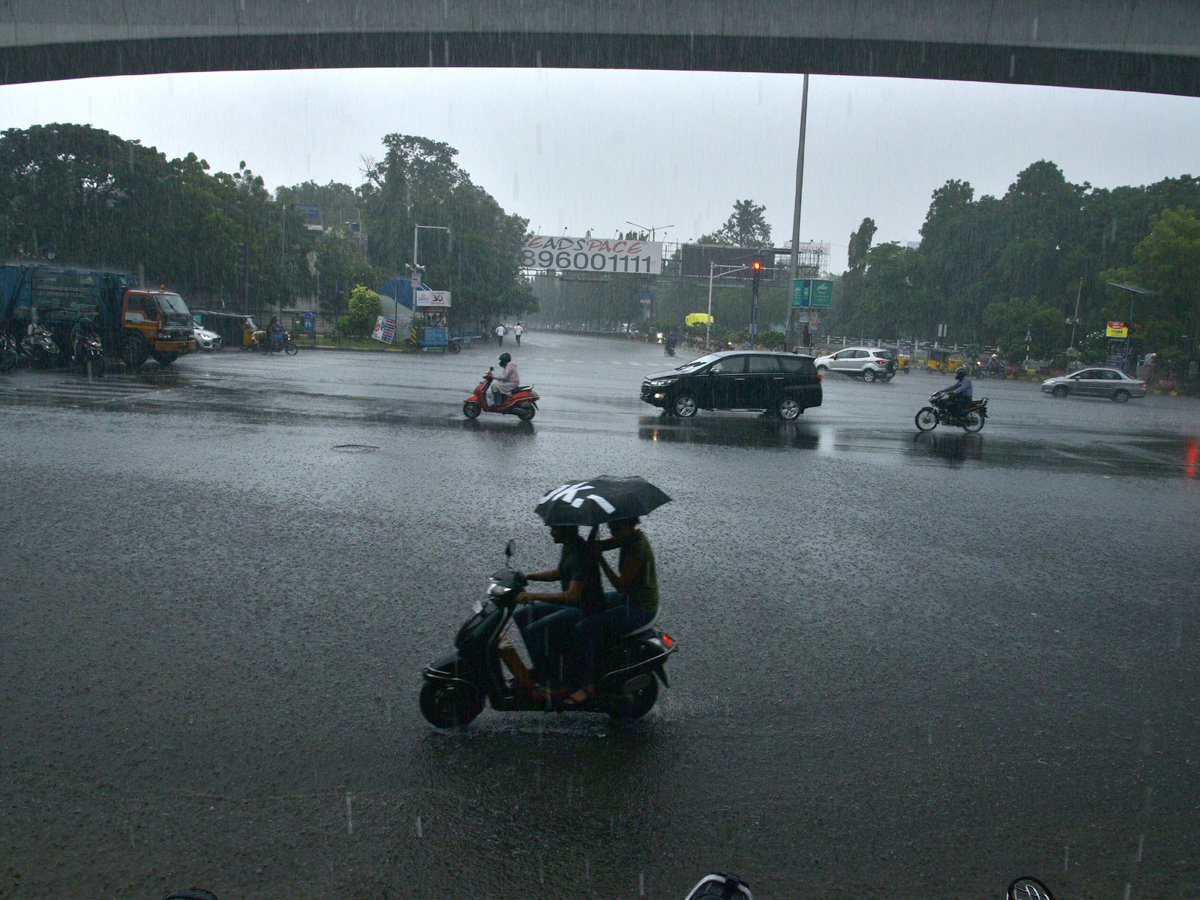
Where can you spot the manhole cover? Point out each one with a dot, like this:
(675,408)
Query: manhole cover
(355,448)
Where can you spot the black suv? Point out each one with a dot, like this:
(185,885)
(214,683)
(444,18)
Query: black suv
(783,383)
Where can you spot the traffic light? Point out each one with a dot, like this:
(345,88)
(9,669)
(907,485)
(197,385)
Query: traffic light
(756,268)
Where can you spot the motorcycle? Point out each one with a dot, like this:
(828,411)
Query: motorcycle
(458,685)
(89,355)
(281,340)
(521,403)
(969,418)
(39,349)
(10,353)
(669,350)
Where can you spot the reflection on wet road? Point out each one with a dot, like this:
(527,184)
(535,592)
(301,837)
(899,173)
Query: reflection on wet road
(905,660)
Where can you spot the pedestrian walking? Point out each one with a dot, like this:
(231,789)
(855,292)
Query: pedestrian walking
(518,330)
(499,335)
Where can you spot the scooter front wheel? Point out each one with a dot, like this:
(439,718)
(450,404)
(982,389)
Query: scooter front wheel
(471,409)
(450,704)
(927,419)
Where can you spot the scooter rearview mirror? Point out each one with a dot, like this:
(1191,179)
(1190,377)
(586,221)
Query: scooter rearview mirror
(508,550)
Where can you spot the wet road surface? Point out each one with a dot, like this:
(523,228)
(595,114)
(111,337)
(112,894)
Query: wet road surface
(908,662)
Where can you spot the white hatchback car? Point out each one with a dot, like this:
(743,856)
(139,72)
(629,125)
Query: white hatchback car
(205,339)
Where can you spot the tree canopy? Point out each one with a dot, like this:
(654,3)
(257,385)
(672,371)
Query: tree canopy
(77,196)
(993,269)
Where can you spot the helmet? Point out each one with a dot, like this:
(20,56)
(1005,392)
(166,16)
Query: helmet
(960,372)
(505,359)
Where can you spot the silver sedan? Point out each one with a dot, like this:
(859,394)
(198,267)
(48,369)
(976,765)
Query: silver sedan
(1111,383)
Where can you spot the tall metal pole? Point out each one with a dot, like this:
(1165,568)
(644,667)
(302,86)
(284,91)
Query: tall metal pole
(804,314)
(1075,318)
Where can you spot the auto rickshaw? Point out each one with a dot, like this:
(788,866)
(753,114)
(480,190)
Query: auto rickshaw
(942,360)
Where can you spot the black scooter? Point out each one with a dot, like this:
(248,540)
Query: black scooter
(459,684)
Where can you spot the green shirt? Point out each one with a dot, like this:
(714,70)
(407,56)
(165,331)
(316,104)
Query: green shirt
(643,593)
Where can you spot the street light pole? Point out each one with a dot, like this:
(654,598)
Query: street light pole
(805,315)
(712,266)
(416,264)
(652,229)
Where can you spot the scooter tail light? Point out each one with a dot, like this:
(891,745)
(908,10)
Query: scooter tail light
(666,638)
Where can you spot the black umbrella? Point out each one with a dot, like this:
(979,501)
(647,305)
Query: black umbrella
(603,499)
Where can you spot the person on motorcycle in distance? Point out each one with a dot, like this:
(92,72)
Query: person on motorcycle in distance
(79,332)
(958,395)
(632,605)
(547,621)
(504,383)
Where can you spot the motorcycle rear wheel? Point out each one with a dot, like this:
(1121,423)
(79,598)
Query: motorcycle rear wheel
(927,419)
(8,361)
(450,704)
(972,421)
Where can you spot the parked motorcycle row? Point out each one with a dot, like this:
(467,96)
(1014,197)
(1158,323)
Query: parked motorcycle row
(38,350)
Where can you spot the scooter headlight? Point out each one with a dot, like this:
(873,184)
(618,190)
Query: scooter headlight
(495,588)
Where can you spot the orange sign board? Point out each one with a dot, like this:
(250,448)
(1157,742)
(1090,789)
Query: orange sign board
(1116,330)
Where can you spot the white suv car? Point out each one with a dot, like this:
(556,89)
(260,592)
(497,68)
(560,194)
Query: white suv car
(867,363)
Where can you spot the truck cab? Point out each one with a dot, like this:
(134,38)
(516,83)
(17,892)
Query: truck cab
(155,323)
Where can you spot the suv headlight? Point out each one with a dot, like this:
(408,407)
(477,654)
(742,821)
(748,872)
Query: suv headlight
(660,382)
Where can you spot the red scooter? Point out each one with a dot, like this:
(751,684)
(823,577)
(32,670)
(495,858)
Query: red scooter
(521,403)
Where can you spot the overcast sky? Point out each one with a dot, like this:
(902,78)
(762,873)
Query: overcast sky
(576,150)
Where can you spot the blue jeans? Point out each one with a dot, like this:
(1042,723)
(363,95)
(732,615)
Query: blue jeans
(606,627)
(548,629)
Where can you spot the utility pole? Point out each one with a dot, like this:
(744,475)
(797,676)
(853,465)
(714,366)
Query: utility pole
(804,313)
(756,268)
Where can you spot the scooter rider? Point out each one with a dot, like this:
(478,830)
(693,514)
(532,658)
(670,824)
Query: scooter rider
(504,383)
(547,622)
(959,394)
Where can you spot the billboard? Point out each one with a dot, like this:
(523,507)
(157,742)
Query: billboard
(1116,330)
(385,329)
(433,299)
(698,260)
(567,254)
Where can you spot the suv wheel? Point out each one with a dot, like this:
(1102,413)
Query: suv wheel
(684,406)
(868,375)
(788,409)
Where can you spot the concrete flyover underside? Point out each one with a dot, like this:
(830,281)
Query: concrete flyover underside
(1134,45)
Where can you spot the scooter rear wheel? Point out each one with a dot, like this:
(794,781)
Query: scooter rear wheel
(471,409)
(637,703)
(525,411)
(450,704)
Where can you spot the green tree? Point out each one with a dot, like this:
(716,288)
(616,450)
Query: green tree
(746,227)
(1167,261)
(365,309)
(418,183)
(860,242)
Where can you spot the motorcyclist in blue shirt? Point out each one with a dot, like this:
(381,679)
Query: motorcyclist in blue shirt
(959,394)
